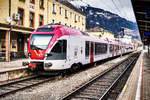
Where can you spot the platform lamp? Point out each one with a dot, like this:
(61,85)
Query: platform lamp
(121,35)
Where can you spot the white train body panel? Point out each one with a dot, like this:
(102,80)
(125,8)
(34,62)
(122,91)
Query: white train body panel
(75,48)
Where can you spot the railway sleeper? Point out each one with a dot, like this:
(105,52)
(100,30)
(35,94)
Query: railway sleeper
(102,83)
(18,85)
(98,93)
(82,97)
(91,91)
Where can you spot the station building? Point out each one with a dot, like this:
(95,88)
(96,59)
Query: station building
(20,17)
(104,34)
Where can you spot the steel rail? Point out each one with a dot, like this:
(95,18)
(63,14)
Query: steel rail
(115,82)
(12,87)
(84,86)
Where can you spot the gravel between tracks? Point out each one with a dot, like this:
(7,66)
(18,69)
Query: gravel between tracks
(56,89)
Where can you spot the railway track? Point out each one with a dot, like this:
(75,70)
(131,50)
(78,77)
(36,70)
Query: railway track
(103,86)
(21,84)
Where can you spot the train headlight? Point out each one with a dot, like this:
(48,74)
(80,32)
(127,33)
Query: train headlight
(45,55)
(48,64)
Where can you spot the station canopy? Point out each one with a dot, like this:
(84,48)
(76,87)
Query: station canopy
(142,14)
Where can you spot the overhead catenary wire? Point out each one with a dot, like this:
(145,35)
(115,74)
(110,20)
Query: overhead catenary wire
(109,7)
(116,7)
(124,11)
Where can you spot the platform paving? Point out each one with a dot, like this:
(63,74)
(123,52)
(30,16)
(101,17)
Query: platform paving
(138,84)
(12,70)
(146,77)
(12,65)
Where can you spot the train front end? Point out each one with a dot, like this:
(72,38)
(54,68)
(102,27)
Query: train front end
(40,42)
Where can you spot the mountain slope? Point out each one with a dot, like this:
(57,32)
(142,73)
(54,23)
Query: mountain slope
(97,17)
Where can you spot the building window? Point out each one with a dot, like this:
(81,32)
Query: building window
(75,19)
(70,15)
(60,23)
(41,3)
(79,18)
(41,20)
(66,14)
(53,21)
(31,19)
(21,13)
(3,43)
(22,0)
(82,21)
(60,12)
(54,12)
(32,1)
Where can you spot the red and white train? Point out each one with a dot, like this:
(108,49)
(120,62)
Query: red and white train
(58,47)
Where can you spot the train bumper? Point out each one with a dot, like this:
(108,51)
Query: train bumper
(25,63)
(55,65)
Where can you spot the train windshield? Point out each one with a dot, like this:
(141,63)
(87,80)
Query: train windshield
(40,41)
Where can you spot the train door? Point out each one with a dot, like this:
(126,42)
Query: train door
(92,52)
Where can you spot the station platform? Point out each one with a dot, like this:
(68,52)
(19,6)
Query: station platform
(138,84)
(12,70)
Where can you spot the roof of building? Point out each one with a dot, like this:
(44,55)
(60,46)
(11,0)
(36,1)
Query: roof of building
(68,4)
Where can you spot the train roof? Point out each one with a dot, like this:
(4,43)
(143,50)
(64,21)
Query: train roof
(66,30)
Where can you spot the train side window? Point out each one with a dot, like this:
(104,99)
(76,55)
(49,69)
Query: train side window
(58,52)
(87,45)
(100,48)
(111,48)
(103,48)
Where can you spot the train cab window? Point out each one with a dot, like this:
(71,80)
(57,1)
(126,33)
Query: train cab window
(59,50)
(87,50)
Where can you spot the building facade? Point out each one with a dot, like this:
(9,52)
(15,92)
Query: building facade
(20,17)
(104,34)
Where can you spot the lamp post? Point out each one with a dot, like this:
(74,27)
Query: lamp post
(8,34)
(120,43)
(121,35)
(9,19)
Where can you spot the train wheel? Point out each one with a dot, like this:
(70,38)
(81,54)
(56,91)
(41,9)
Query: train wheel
(75,67)
(63,73)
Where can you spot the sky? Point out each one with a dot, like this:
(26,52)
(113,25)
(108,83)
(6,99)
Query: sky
(121,7)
